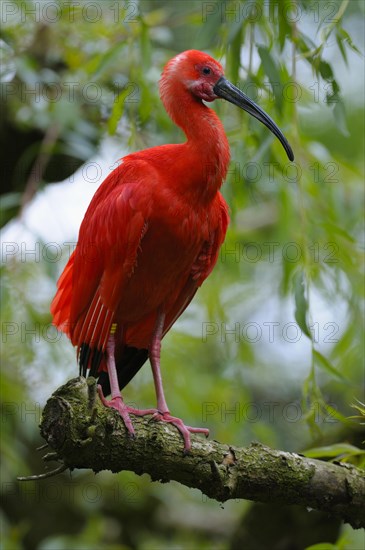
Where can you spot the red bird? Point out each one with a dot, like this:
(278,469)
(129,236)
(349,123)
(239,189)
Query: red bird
(150,238)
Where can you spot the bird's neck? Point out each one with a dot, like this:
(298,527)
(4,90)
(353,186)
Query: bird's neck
(207,147)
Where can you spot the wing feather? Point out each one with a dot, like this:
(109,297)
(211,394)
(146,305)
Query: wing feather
(105,257)
(202,267)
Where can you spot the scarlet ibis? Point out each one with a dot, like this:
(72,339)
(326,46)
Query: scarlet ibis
(150,237)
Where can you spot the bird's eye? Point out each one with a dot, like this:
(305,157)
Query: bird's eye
(206,70)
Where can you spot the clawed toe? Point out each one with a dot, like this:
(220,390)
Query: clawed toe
(142,412)
(157,416)
(123,409)
(118,404)
(183,429)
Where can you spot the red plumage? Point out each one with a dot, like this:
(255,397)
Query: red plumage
(150,237)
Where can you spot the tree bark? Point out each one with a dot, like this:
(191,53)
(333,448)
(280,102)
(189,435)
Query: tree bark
(85,434)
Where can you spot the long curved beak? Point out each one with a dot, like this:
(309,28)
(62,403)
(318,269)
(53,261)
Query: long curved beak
(226,90)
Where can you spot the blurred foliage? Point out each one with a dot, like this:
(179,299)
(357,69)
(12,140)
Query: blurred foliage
(341,452)
(271,348)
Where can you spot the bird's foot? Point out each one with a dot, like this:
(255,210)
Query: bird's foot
(157,416)
(118,404)
(179,424)
(123,409)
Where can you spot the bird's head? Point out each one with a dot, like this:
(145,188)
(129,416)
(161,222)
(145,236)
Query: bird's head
(201,75)
(195,71)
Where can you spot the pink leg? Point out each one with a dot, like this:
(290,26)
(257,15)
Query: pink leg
(116,401)
(163,413)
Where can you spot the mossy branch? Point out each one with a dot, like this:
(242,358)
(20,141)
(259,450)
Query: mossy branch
(85,434)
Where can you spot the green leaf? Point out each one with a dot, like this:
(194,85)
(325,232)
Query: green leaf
(334,414)
(235,31)
(341,47)
(234,54)
(117,111)
(325,70)
(209,29)
(323,363)
(333,451)
(361,409)
(272,72)
(339,114)
(322,546)
(301,303)
(344,35)
(305,44)
(103,61)
(285,28)
(333,228)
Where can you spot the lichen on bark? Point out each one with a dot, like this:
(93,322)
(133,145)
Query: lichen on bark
(85,434)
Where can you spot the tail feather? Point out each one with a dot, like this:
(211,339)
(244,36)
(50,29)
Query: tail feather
(61,304)
(90,333)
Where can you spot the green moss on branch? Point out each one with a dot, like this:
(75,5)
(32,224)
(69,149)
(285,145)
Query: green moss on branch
(85,434)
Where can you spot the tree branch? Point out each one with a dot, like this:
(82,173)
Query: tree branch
(85,434)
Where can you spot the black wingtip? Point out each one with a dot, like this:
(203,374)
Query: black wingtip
(89,358)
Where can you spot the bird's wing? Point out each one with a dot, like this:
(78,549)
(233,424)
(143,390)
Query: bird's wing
(105,256)
(203,265)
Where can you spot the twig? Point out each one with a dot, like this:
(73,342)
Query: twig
(37,477)
(39,165)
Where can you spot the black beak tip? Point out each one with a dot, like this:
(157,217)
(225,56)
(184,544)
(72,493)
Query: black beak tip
(226,90)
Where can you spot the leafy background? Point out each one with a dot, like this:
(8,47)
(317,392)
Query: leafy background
(271,349)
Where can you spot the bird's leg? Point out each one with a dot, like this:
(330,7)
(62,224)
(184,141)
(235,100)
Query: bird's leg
(116,401)
(155,353)
(163,413)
